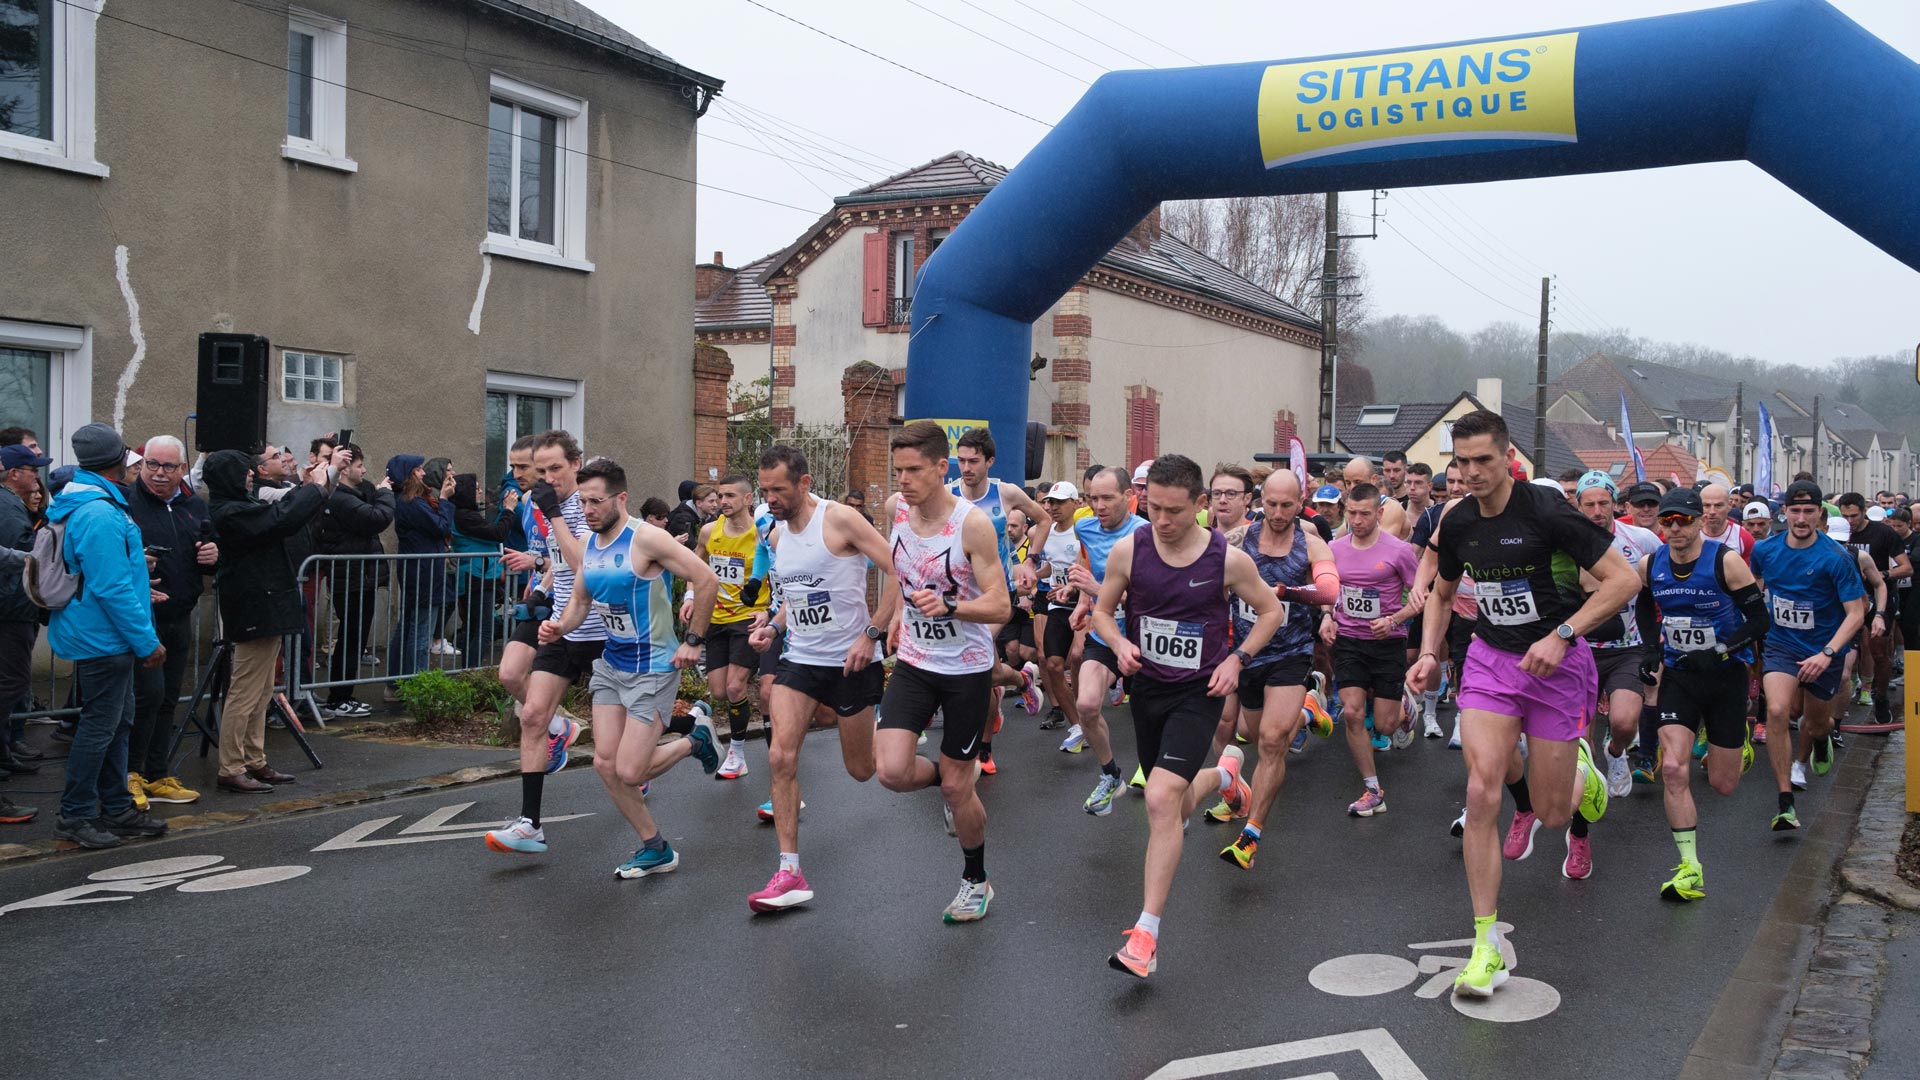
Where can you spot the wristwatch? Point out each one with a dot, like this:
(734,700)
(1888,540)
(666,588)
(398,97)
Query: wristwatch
(540,563)
(1564,631)
(951,607)
(695,640)
(1242,654)
(1829,652)
(874,633)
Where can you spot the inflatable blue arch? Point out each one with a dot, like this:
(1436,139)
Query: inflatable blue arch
(1793,86)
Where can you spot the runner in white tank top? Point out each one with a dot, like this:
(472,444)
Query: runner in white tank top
(947,560)
(821,554)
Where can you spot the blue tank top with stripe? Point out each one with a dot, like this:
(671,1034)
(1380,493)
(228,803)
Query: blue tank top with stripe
(637,611)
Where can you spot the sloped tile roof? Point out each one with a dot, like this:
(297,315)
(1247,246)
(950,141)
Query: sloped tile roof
(1579,437)
(1413,419)
(742,302)
(958,169)
(580,21)
(1661,460)
(1560,457)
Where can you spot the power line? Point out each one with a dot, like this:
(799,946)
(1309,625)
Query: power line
(996,41)
(1084,34)
(88,8)
(1449,272)
(807,158)
(795,169)
(1135,33)
(1441,194)
(789,124)
(1437,224)
(868,161)
(1464,255)
(1054,44)
(887,61)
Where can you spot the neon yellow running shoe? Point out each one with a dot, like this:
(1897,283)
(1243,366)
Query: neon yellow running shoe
(1593,800)
(1240,853)
(1139,778)
(1221,813)
(1689,883)
(1484,973)
(1746,751)
(1319,721)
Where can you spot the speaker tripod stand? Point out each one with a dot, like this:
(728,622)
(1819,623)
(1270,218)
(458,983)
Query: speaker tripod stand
(212,688)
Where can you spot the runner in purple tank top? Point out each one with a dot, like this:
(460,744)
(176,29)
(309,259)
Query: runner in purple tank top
(1179,665)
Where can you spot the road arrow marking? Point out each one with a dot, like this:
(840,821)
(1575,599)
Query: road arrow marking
(434,826)
(1389,1062)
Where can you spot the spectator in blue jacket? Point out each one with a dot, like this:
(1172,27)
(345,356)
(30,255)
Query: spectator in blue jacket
(423,525)
(106,630)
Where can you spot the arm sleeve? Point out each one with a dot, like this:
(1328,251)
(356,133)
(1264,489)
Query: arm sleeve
(1325,590)
(1753,607)
(295,510)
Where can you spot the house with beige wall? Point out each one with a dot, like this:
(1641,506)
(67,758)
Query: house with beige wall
(1158,349)
(444,214)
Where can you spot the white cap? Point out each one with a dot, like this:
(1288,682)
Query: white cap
(1838,528)
(1757,509)
(1876,513)
(1550,484)
(1062,491)
(1140,472)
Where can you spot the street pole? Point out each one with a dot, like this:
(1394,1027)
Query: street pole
(1739,427)
(1814,467)
(1329,316)
(1540,391)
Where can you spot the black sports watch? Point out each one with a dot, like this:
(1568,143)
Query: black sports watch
(540,563)
(952,607)
(695,640)
(874,633)
(1564,631)
(1242,654)
(1829,652)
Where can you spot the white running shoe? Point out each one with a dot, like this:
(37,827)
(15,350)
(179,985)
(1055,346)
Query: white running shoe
(1402,738)
(1619,776)
(1459,826)
(1799,776)
(1433,730)
(735,766)
(1454,742)
(443,647)
(1075,741)
(1410,705)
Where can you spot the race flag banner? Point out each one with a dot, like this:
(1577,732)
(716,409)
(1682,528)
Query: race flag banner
(1626,430)
(1763,456)
(1297,461)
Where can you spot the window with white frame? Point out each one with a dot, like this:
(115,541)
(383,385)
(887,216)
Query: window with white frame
(311,378)
(46,381)
(522,405)
(536,176)
(317,91)
(46,84)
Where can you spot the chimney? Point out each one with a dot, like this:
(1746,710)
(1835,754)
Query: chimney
(1488,391)
(1148,231)
(710,278)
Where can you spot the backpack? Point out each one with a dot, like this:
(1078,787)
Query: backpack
(45,576)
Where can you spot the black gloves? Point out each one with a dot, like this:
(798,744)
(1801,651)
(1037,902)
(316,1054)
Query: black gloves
(1650,665)
(1703,661)
(546,499)
(750,592)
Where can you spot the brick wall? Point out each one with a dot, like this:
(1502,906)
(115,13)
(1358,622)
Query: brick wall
(712,373)
(868,392)
(1285,429)
(780,409)
(1071,370)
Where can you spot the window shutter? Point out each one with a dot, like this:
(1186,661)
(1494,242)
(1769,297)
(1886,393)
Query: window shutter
(1140,433)
(874,307)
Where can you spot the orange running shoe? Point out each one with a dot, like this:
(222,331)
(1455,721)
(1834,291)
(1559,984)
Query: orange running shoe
(1137,955)
(988,767)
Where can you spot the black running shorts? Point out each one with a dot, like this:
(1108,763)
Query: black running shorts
(1717,698)
(963,701)
(1173,724)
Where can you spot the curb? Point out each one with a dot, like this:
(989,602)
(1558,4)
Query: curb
(1868,868)
(1830,1034)
(392,789)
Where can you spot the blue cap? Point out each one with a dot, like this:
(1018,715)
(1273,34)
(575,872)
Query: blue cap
(1595,478)
(1326,493)
(19,456)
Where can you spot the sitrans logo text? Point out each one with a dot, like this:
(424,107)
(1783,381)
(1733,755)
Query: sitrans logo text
(1488,96)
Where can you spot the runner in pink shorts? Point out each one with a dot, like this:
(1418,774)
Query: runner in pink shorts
(1528,669)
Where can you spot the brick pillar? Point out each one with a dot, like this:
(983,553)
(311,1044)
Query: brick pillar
(712,373)
(867,390)
(783,335)
(1285,429)
(1072,373)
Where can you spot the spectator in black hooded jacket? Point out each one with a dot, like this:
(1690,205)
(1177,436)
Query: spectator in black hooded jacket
(355,515)
(683,521)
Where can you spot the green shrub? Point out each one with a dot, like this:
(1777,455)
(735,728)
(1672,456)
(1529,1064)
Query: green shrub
(693,687)
(436,697)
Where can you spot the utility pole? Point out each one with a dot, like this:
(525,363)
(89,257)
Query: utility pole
(1739,426)
(1540,389)
(1814,468)
(1329,315)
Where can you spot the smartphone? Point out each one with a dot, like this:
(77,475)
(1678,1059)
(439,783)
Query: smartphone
(346,437)
(157,549)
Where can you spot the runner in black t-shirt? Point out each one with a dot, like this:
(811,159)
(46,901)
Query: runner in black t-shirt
(1881,544)
(1527,669)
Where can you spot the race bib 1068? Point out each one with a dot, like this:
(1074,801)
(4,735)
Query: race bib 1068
(1171,644)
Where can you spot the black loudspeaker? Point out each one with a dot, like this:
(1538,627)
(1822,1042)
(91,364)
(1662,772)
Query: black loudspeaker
(1036,449)
(231,410)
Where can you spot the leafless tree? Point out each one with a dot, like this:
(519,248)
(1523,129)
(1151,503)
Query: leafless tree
(1278,242)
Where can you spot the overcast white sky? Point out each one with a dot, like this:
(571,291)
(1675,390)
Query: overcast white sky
(1719,255)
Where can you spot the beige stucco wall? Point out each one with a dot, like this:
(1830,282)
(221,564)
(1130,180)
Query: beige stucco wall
(1222,384)
(383,265)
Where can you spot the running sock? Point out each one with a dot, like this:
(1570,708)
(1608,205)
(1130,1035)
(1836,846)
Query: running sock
(975,869)
(557,725)
(1578,826)
(1522,801)
(1251,830)
(738,713)
(1226,781)
(1683,839)
(1111,768)
(1371,781)
(1149,923)
(1485,929)
(531,785)
(790,861)
(1786,801)
(656,842)
(1429,701)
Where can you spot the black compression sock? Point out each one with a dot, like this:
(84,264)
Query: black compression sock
(680,725)
(1579,825)
(976,863)
(1522,801)
(1786,801)
(531,785)
(738,713)
(1111,768)
(986,751)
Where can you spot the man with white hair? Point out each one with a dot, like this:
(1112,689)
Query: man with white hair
(172,521)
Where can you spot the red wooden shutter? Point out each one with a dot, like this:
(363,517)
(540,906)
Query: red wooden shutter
(874,300)
(1143,428)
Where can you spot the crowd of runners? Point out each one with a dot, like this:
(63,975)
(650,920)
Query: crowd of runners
(1586,637)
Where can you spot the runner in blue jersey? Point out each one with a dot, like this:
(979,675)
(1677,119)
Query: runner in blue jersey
(625,572)
(1818,605)
(1710,615)
(1111,523)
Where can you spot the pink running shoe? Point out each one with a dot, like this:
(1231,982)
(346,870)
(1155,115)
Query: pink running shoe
(1029,693)
(786,889)
(1519,843)
(1371,801)
(1579,864)
(1238,795)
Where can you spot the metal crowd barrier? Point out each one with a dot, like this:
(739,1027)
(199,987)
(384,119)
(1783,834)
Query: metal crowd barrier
(379,618)
(52,697)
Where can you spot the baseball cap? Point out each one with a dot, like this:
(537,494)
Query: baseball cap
(1326,493)
(1681,501)
(1802,491)
(1549,482)
(1594,478)
(22,457)
(1140,472)
(1757,509)
(1516,471)
(1062,491)
(1875,513)
(1838,528)
(1642,492)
